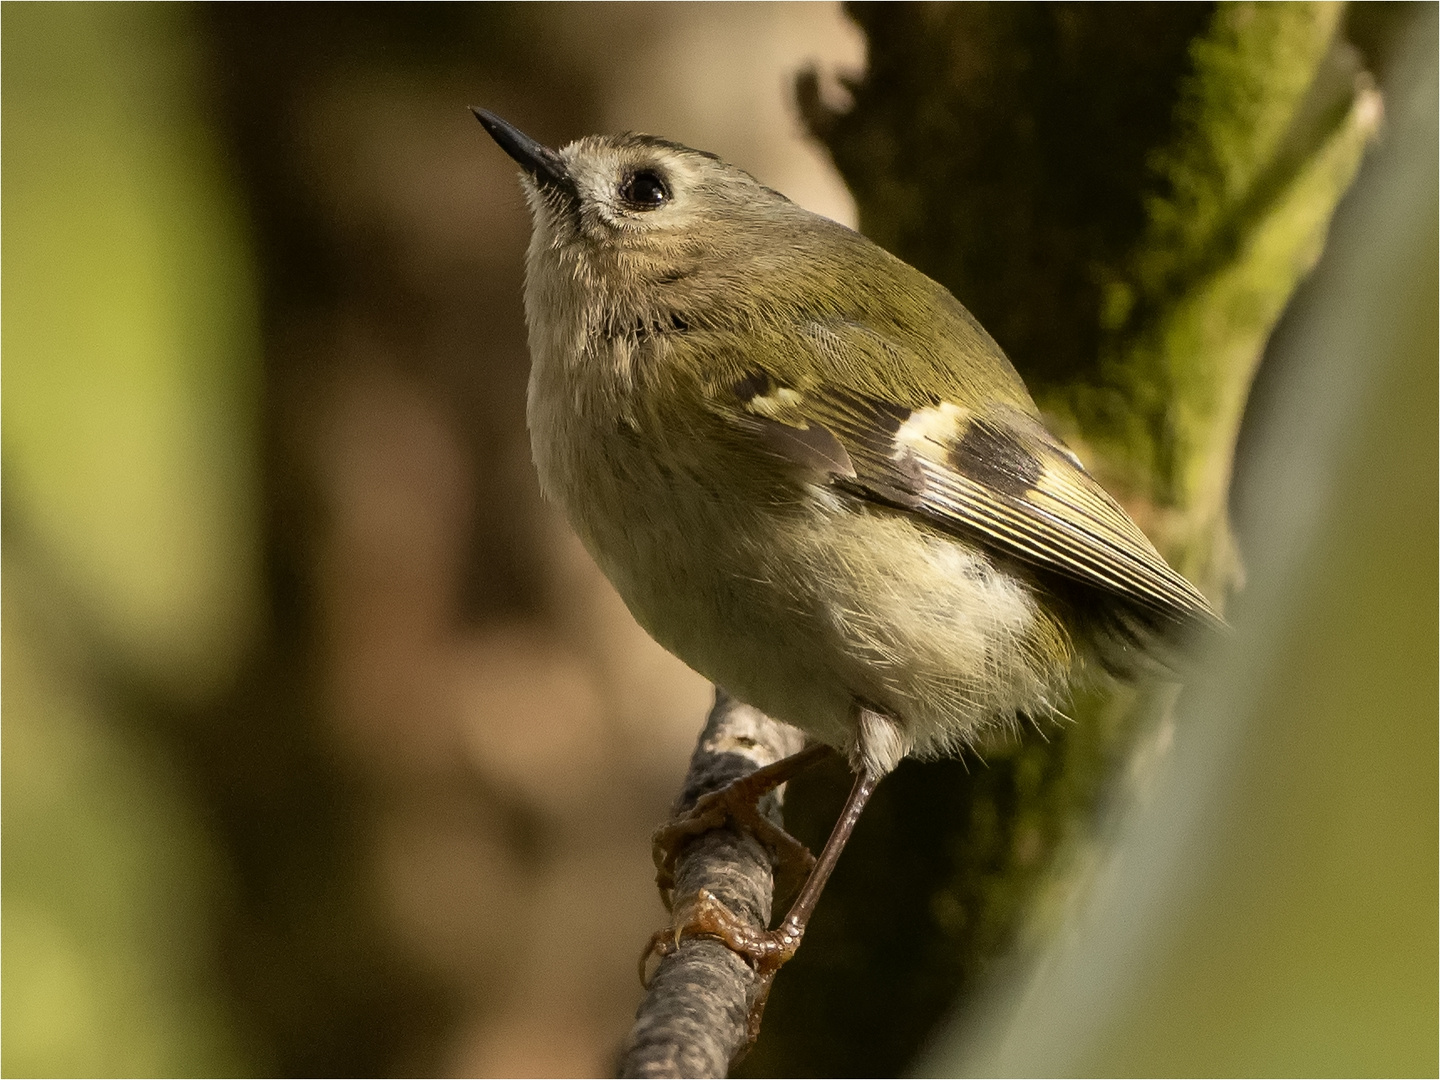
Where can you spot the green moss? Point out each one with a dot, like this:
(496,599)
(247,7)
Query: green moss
(1268,131)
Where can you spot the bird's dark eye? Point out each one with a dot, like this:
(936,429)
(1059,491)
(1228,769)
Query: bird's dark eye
(644,190)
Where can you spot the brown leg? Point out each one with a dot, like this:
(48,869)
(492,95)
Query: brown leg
(768,950)
(737,802)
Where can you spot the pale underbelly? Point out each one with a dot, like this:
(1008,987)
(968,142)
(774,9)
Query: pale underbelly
(806,614)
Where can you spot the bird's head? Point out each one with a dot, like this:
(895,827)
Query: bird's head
(636,210)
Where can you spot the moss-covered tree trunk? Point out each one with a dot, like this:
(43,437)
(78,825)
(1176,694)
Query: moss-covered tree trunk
(1126,196)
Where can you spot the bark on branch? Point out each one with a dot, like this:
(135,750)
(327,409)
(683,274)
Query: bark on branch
(693,1019)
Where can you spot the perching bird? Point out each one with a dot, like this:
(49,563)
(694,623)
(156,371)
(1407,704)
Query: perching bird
(810,473)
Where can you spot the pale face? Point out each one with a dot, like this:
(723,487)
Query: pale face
(631,189)
(640,194)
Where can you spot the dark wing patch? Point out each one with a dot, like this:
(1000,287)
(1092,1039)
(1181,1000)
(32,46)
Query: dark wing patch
(992,455)
(755,384)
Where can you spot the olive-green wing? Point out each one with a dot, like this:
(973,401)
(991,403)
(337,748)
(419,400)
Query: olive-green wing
(988,470)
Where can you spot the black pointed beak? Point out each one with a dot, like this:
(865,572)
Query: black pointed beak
(544,164)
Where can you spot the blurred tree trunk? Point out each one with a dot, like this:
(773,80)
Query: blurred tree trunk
(314,968)
(1126,196)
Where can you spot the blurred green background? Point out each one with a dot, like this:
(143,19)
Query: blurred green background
(131,538)
(326,750)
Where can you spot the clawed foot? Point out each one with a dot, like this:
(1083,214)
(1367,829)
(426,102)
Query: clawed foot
(767,950)
(703,914)
(793,859)
(737,803)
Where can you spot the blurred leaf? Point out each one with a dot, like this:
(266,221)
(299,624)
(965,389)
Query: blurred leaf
(131,555)
(108,881)
(130,336)
(1270,129)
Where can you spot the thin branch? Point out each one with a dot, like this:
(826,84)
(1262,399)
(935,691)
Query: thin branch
(693,1019)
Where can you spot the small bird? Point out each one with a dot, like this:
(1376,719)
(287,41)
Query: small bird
(811,474)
